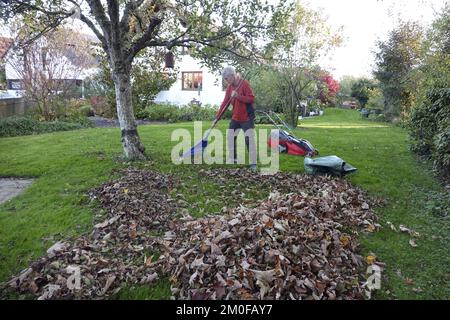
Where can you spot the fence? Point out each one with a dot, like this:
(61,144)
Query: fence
(13,106)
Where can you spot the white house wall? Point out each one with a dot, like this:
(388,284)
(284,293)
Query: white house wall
(211,92)
(10,71)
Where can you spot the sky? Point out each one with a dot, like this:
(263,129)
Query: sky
(365,22)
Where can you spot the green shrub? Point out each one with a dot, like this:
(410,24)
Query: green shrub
(103,106)
(87,111)
(228,114)
(195,112)
(159,112)
(172,113)
(25,125)
(429,128)
(378,117)
(262,119)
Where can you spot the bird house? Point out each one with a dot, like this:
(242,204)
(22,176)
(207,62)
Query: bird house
(170,63)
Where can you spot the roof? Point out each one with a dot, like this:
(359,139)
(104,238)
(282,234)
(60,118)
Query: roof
(5,44)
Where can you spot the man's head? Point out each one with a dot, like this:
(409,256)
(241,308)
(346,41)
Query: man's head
(229,75)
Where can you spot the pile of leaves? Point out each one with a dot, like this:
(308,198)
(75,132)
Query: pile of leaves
(138,206)
(238,185)
(291,246)
(139,199)
(300,242)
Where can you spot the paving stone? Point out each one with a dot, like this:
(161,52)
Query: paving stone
(11,187)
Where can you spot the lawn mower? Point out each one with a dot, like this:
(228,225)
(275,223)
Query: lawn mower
(292,145)
(288,143)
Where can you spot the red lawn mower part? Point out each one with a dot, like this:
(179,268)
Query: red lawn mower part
(287,142)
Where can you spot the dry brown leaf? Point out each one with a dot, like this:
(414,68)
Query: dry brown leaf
(370,259)
(412,243)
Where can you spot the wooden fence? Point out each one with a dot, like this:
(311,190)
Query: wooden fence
(13,106)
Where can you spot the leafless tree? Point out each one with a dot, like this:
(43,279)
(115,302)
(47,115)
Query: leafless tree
(49,68)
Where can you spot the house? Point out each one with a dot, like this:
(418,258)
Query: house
(47,62)
(5,45)
(194,82)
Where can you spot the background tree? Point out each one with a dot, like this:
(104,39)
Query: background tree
(429,123)
(267,93)
(396,61)
(345,86)
(48,67)
(360,90)
(376,99)
(217,30)
(148,78)
(328,89)
(303,39)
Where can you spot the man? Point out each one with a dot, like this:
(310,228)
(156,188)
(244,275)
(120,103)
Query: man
(240,95)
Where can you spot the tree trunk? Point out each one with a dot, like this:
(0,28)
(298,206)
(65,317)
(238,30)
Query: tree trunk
(132,146)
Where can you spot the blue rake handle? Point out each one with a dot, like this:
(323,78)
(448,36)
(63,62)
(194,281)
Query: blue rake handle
(200,146)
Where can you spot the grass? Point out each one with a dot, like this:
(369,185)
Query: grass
(67,164)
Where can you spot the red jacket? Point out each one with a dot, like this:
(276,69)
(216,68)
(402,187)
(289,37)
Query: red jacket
(244,96)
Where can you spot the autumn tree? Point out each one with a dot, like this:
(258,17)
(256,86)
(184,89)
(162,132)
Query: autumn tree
(216,30)
(328,88)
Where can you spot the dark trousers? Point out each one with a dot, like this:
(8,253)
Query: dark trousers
(234,128)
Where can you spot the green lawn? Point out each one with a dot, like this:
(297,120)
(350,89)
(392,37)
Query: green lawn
(67,164)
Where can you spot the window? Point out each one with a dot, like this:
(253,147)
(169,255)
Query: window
(191,81)
(14,85)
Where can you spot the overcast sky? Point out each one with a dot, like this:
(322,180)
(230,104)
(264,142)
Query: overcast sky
(364,22)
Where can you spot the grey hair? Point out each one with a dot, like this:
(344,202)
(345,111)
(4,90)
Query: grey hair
(228,71)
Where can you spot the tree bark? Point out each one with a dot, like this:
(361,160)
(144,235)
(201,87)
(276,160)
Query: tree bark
(132,146)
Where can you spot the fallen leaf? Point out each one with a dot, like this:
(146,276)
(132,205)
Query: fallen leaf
(108,284)
(412,243)
(404,229)
(56,248)
(393,228)
(345,240)
(370,259)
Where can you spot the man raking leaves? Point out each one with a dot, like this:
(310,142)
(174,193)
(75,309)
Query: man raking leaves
(240,95)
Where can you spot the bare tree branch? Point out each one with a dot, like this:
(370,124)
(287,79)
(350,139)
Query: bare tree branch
(91,25)
(143,41)
(100,15)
